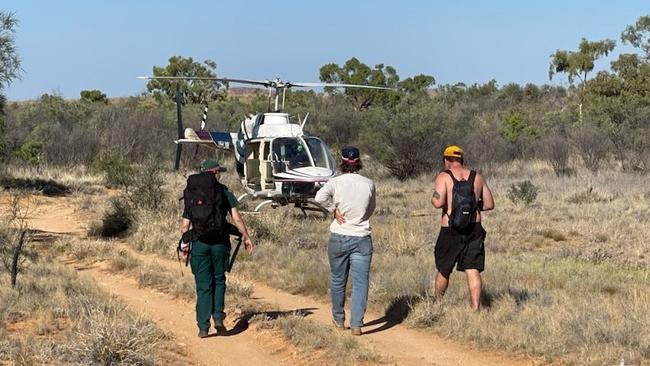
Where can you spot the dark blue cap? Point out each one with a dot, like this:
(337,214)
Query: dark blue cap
(350,154)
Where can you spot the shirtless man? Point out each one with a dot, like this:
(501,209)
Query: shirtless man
(464,248)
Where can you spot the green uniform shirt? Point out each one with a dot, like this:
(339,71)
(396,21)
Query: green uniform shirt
(232,200)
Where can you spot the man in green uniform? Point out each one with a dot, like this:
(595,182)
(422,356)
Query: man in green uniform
(210,255)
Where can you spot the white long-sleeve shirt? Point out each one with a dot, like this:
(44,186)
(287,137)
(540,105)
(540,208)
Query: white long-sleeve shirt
(354,195)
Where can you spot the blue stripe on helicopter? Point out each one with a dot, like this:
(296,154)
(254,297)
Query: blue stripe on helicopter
(222,139)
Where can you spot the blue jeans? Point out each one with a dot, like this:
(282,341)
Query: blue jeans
(349,254)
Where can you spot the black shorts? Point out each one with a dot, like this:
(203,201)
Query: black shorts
(466,249)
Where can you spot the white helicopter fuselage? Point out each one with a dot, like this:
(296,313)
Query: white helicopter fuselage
(275,159)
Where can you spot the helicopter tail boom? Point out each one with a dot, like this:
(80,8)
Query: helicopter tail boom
(216,140)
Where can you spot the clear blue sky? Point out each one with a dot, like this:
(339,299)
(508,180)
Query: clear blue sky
(68,46)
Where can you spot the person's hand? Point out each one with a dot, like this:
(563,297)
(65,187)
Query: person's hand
(340,219)
(248,244)
(184,252)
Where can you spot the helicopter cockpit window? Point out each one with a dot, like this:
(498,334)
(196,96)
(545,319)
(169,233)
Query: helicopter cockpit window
(291,152)
(320,154)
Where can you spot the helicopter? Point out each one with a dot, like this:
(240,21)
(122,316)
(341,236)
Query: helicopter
(277,163)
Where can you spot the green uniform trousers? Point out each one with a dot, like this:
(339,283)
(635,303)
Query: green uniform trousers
(209,264)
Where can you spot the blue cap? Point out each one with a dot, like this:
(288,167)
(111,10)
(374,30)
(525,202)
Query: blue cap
(350,155)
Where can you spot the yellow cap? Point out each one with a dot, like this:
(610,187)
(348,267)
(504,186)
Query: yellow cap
(453,151)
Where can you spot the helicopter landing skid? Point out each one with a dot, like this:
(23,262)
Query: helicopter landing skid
(305,206)
(302,204)
(264,203)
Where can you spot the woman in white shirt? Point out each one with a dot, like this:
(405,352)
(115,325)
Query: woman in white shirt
(351,197)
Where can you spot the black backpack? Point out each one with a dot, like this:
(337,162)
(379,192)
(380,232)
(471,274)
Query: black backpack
(463,202)
(204,200)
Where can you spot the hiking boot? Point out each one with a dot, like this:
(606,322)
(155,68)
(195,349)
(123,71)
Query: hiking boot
(356,331)
(219,327)
(203,333)
(337,325)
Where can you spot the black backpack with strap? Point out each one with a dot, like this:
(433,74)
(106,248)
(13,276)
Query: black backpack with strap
(205,200)
(463,202)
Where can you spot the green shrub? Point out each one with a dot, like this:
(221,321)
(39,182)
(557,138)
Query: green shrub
(116,221)
(517,126)
(523,192)
(31,151)
(117,170)
(93,96)
(147,189)
(411,139)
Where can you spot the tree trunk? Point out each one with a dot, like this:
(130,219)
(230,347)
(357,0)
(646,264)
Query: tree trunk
(16,258)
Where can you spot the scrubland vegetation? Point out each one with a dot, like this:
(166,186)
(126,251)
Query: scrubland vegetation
(567,267)
(600,120)
(566,274)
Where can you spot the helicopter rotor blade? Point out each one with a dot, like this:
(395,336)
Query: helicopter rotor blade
(264,83)
(336,85)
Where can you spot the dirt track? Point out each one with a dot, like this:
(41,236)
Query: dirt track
(396,343)
(178,317)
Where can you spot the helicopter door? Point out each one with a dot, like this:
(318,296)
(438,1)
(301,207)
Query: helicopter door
(252,165)
(266,165)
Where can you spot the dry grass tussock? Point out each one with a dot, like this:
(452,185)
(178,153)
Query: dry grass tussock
(55,316)
(84,249)
(158,231)
(123,260)
(320,341)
